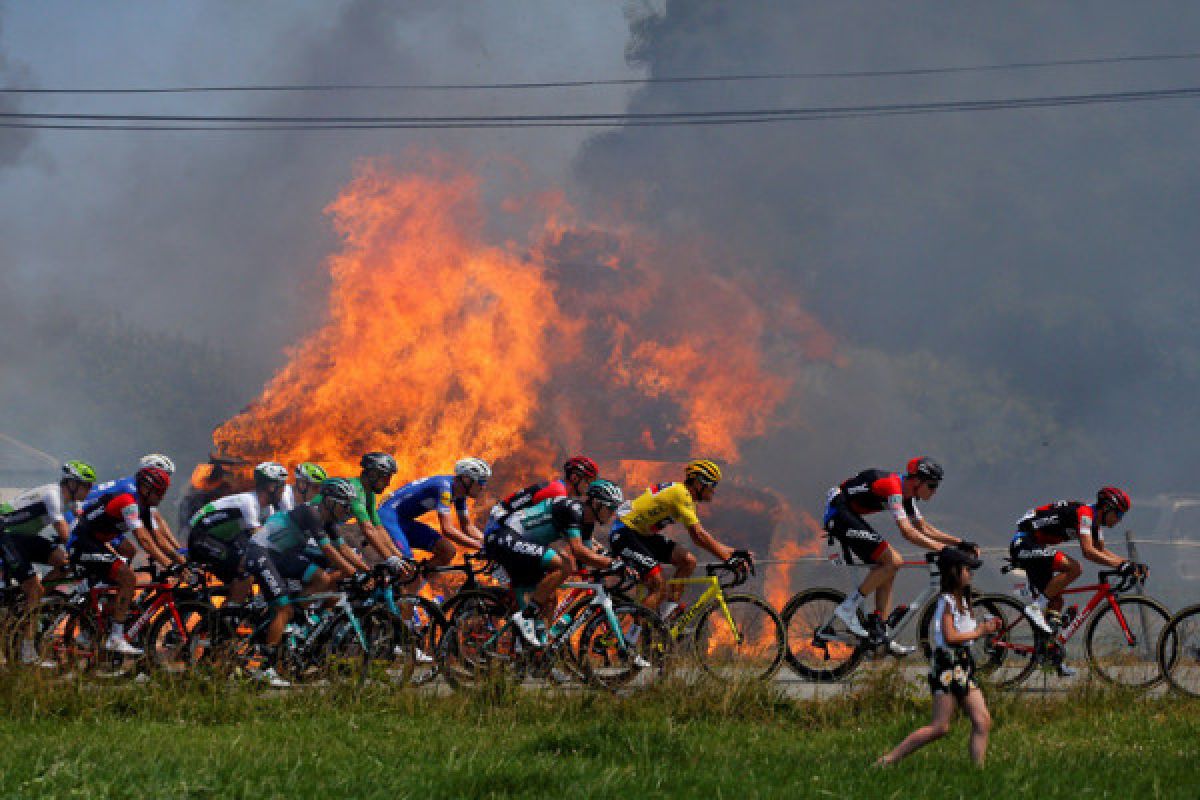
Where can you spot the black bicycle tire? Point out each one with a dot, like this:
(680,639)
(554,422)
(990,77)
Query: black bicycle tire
(1094,662)
(842,670)
(1168,671)
(733,599)
(983,671)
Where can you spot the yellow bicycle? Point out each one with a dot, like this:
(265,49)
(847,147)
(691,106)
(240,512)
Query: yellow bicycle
(733,636)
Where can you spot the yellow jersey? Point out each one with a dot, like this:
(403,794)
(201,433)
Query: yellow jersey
(659,507)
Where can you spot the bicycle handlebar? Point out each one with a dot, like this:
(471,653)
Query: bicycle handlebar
(721,566)
(1119,583)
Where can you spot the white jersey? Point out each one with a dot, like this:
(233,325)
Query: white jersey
(35,509)
(963,621)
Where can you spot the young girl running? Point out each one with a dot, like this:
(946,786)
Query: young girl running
(952,670)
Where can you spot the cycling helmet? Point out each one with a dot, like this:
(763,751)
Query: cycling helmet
(339,490)
(381,462)
(1114,498)
(313,473)
(581,465)
(703,470)
(157,479)
(474,468)
(925,468)
(79,471)
(158,461)
(269,472)
(606,493)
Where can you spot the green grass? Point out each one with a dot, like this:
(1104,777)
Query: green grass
(197,739)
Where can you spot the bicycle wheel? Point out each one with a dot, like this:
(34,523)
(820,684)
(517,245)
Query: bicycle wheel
(71,642)
(346,653)
(825,658)
(479,646)
(393,648)
(176,642)
(745,644)
(642,663)
(1007,657)
(1179,651)
(1125,654)
(421,635)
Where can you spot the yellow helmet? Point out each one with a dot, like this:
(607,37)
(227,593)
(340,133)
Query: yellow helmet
(704,470)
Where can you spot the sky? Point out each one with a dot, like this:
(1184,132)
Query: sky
(1012,292)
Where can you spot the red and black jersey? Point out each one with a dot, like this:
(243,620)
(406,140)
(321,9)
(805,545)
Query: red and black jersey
(1055,523)
(531,495)
(873,490)
(109,516)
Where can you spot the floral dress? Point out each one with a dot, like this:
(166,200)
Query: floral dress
(952,668)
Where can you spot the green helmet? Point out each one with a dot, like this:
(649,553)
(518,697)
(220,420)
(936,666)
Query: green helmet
(339,490)
(606,493)
(79,471)
(313,473)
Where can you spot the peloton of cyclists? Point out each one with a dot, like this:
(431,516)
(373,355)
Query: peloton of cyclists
(638,540)
(1050,571)
(22,543)
(869,492)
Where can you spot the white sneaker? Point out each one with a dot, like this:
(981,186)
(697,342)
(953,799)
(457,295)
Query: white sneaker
(849,618)
(1064,671)
(1034,613)
(899,650)
(118,644)
(29,657)
(421,656)
(640,662)
(526,627)
(270,676)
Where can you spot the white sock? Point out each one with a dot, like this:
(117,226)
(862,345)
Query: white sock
(852,601)
(118,630)
(667,608)
(1042,602)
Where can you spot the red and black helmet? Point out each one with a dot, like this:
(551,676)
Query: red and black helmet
(581,465)
(1114,498)
(926,469)
(159,480)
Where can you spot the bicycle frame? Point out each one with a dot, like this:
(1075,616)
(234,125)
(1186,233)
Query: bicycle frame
(711,593)
(596,596)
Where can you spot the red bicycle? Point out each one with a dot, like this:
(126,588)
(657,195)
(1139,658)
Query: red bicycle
(1122,632)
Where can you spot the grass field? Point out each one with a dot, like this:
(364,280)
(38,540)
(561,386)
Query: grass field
(196,739)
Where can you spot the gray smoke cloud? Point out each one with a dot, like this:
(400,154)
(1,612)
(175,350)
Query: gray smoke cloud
(1013,291)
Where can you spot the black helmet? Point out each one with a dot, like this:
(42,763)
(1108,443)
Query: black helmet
(339,490)
(381,462)
(926,469)
(951,556)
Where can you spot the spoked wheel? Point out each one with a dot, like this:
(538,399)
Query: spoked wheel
(1179,651)
(479,646)
(819,648)
(745,643)
(1007,657)
(347,651)
(421,634)
(177,642)
(393,648)
(71,642)
(1125,654)
(641,662)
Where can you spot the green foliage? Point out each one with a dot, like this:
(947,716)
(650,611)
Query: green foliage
(201,738)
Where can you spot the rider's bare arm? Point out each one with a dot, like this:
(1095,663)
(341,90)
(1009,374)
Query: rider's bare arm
(165,539)
(705,540)
(352,558)
(340,567)
(586,555)
(63,529)
(917,536)
(935,533)
(377,537)
(470,529)
(1096,552)
(149,543)
(452,532)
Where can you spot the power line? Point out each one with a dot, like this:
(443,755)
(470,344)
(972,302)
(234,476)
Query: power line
(182,122)
(572,84)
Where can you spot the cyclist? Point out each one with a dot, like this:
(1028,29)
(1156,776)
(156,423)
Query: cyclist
(869,492)
(278,552)
(377,471)
(637,534)
(1034,549)
(308,477)
(104,520)
(157,540)
(21,541)
(522,544)
(221,529)
(578,472)
(440,494)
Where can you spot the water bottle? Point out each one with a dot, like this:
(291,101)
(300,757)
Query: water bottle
(560,625)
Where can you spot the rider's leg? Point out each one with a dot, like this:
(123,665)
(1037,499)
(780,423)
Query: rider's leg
(556,573)
(1066,571)
(125,580)
(441,554)
(239,589)
(656,587)
(881,578)
(283,615)
(685,564)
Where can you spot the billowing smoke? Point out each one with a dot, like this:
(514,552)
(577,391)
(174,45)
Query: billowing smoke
(1012,291)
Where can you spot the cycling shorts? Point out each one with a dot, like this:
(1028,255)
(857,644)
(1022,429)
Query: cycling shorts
(643,553)
(1040,561)
(98,560)
(408,534)
(226,560)
(858,539)
(272,571)
(19,553)
(525,561)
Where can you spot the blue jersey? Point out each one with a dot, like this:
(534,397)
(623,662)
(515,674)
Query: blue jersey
(420,497)
(119,486)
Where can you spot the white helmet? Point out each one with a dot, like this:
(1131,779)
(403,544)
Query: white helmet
(269,472)
(158,461)
(474,468)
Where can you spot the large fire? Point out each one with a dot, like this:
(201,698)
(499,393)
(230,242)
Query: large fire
(441,342)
